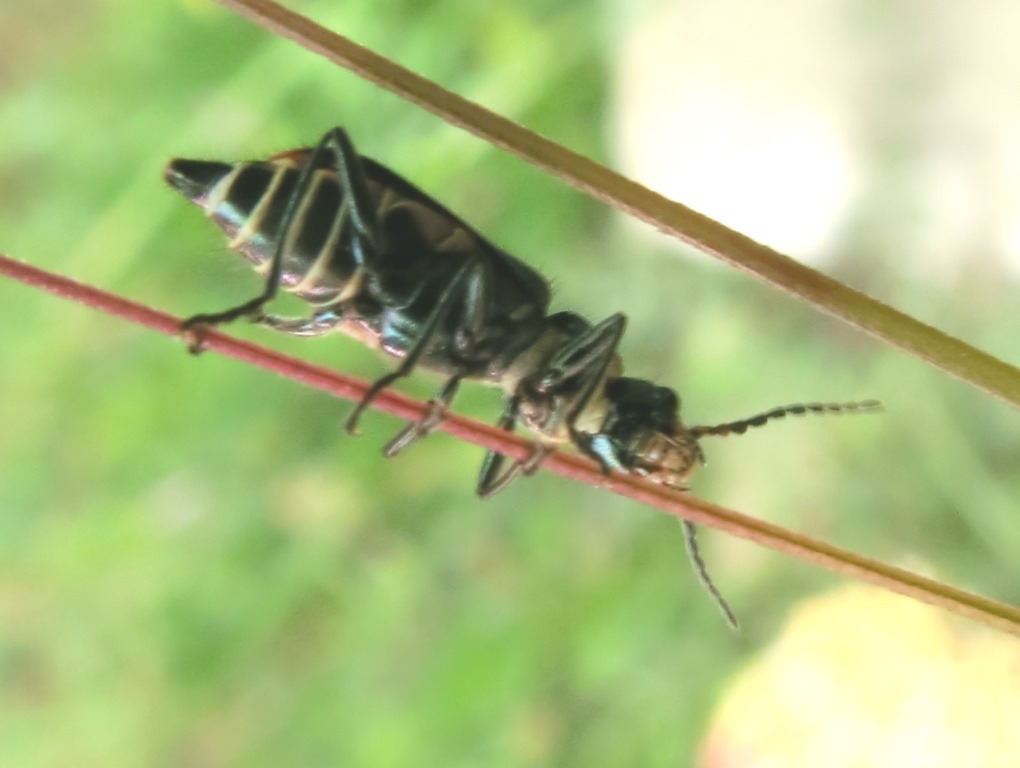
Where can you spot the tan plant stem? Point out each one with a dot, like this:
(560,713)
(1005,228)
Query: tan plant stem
(941,350)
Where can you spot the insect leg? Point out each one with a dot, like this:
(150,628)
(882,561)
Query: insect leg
(418,429)
(469,326)
(333,151)
(588,356)
(488,482)
(319,324)
(489,487)
(446,301)
(368,241)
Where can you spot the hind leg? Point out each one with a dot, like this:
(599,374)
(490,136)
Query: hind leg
(336,152)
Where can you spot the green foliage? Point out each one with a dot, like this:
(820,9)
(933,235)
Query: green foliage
(198,568)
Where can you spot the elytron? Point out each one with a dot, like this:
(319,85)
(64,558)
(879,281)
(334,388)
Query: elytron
(379,260)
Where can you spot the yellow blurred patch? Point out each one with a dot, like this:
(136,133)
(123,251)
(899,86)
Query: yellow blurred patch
(861,677)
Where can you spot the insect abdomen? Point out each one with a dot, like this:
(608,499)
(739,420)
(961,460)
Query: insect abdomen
(248,202)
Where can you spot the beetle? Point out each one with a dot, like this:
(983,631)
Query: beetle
(381,261)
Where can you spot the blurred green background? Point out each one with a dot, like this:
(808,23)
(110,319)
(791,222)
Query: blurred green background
(198,568)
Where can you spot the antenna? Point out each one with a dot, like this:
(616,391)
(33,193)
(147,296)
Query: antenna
(800,409)
(691,539)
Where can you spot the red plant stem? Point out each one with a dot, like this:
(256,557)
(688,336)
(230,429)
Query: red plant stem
(681,505)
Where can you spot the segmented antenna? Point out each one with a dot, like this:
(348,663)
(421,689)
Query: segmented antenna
(740,427)
(691,539)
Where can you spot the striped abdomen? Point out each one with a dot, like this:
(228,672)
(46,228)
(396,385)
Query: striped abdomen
(248,201)
(390,273)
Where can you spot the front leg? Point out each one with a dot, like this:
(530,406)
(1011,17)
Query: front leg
(602,449)
(584,360)
(490,480)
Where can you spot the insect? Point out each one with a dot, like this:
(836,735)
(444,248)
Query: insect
(379,260)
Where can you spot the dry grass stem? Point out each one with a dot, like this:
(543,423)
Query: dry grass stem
(941,350)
